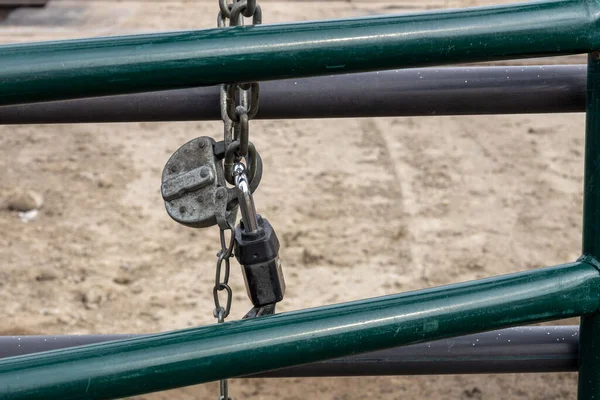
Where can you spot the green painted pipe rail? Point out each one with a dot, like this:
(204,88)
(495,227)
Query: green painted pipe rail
(169,360)
(589,338)
(115,65)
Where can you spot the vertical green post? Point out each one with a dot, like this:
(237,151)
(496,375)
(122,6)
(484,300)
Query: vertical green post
(589,341)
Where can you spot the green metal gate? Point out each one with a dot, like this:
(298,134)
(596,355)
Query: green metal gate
(113,66)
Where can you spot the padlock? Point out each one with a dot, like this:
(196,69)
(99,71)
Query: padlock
(190,181)
(257,248)
(194,187)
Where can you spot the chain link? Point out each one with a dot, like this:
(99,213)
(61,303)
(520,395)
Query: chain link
(221,285)
(242,8)
(239,104)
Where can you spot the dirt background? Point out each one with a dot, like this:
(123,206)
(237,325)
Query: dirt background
(363,207)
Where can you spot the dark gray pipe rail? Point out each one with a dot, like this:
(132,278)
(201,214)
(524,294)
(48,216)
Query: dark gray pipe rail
(409,92)
(513,350)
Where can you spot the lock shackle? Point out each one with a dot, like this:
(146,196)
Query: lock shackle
(245,200)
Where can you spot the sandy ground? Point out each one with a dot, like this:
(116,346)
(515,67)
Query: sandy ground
(363,208)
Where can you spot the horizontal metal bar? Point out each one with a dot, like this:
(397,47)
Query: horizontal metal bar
(12,346)
(22,3)
(409,92)
(513,350)
(116,65)
(240,348)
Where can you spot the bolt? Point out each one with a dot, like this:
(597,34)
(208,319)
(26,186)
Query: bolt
(204,172)
(174,168)
(199,199)
(182,210)
(202,144)
(220,194)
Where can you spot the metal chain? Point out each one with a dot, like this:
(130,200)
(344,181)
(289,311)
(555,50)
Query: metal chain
(239,103)
(222,284)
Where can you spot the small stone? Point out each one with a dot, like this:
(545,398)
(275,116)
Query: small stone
(152,316)
(104,182)
(89,176)
(136,289)
(27,216)
(400,233)
(24,200)
(474,393)
(123,280)
(92,298)
(474,265)
(309,257)
(64,320)
(46,275)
